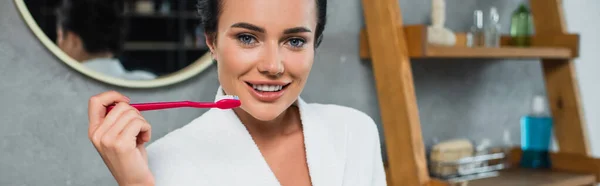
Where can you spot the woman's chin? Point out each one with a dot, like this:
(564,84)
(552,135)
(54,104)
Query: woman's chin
(264,113)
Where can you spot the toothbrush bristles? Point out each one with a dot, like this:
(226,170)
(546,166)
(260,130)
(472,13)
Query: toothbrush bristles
(231,97)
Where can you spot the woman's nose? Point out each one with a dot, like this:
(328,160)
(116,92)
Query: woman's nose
(271,63)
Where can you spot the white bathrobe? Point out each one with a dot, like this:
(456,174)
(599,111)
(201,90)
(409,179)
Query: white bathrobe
(342,148)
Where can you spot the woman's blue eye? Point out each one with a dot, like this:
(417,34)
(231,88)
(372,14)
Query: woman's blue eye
(296,42)
(246,39)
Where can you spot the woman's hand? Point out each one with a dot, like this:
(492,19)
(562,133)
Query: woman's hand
(119,137)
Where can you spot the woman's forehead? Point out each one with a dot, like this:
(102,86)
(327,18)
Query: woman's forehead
(269,13)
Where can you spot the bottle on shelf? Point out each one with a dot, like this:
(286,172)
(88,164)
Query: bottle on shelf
(144,7)
(165,7)
(492,32)
(476,36)
(536,135)
(521,26)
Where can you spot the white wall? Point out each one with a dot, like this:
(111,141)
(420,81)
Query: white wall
(583,17)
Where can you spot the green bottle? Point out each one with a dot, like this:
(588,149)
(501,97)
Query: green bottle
(521,26)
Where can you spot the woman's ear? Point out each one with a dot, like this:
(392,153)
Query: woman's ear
(211,43)
(71,44)
(75,41)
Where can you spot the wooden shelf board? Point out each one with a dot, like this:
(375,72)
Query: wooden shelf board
(525,177)
(502,52)
(544,46)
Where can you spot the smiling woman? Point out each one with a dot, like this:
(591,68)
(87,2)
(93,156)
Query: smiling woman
(274,137)
(105,40)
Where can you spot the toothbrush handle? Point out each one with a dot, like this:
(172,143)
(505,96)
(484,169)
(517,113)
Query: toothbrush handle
(159,105)
(165,105)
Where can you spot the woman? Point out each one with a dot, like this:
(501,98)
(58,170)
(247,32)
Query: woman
(265,50)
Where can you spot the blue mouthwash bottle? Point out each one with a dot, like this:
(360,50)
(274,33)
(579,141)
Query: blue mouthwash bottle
(536,135)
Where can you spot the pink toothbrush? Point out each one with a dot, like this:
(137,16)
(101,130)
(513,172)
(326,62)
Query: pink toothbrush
(228,102)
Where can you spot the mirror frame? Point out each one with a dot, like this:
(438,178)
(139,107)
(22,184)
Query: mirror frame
(191,70)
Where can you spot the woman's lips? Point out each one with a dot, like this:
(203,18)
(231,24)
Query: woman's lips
(266,96)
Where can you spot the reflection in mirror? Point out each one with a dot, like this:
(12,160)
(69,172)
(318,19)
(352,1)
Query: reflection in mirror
(128,39)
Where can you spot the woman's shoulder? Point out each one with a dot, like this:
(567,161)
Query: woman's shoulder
(339,110)
(340,116)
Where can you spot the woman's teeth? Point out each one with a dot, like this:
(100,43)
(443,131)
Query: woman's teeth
(267,88)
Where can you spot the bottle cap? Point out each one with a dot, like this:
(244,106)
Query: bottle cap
(538,105)
(494,14)
(478,16)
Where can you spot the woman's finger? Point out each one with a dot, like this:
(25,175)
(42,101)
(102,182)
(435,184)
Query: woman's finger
(110,119)
(97,108)
(137,129)
(127,117)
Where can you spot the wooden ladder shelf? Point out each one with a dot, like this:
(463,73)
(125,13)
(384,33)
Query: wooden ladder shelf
(390,45)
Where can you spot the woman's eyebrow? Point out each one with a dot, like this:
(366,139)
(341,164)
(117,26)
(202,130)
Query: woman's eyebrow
(249,27)
(296,30)
(262,30)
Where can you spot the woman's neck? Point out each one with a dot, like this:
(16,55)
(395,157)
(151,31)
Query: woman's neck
(285,124)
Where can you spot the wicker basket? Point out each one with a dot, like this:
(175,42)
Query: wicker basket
(471,167)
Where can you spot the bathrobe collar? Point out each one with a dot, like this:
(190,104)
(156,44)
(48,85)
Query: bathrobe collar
(325,163)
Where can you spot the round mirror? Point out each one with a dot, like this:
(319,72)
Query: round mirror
(129,43)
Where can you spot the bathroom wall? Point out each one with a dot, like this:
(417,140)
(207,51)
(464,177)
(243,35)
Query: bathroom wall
(578,15)
(43,118)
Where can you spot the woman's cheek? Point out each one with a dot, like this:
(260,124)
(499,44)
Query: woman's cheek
(241,56)
(299,61)
(234,58)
